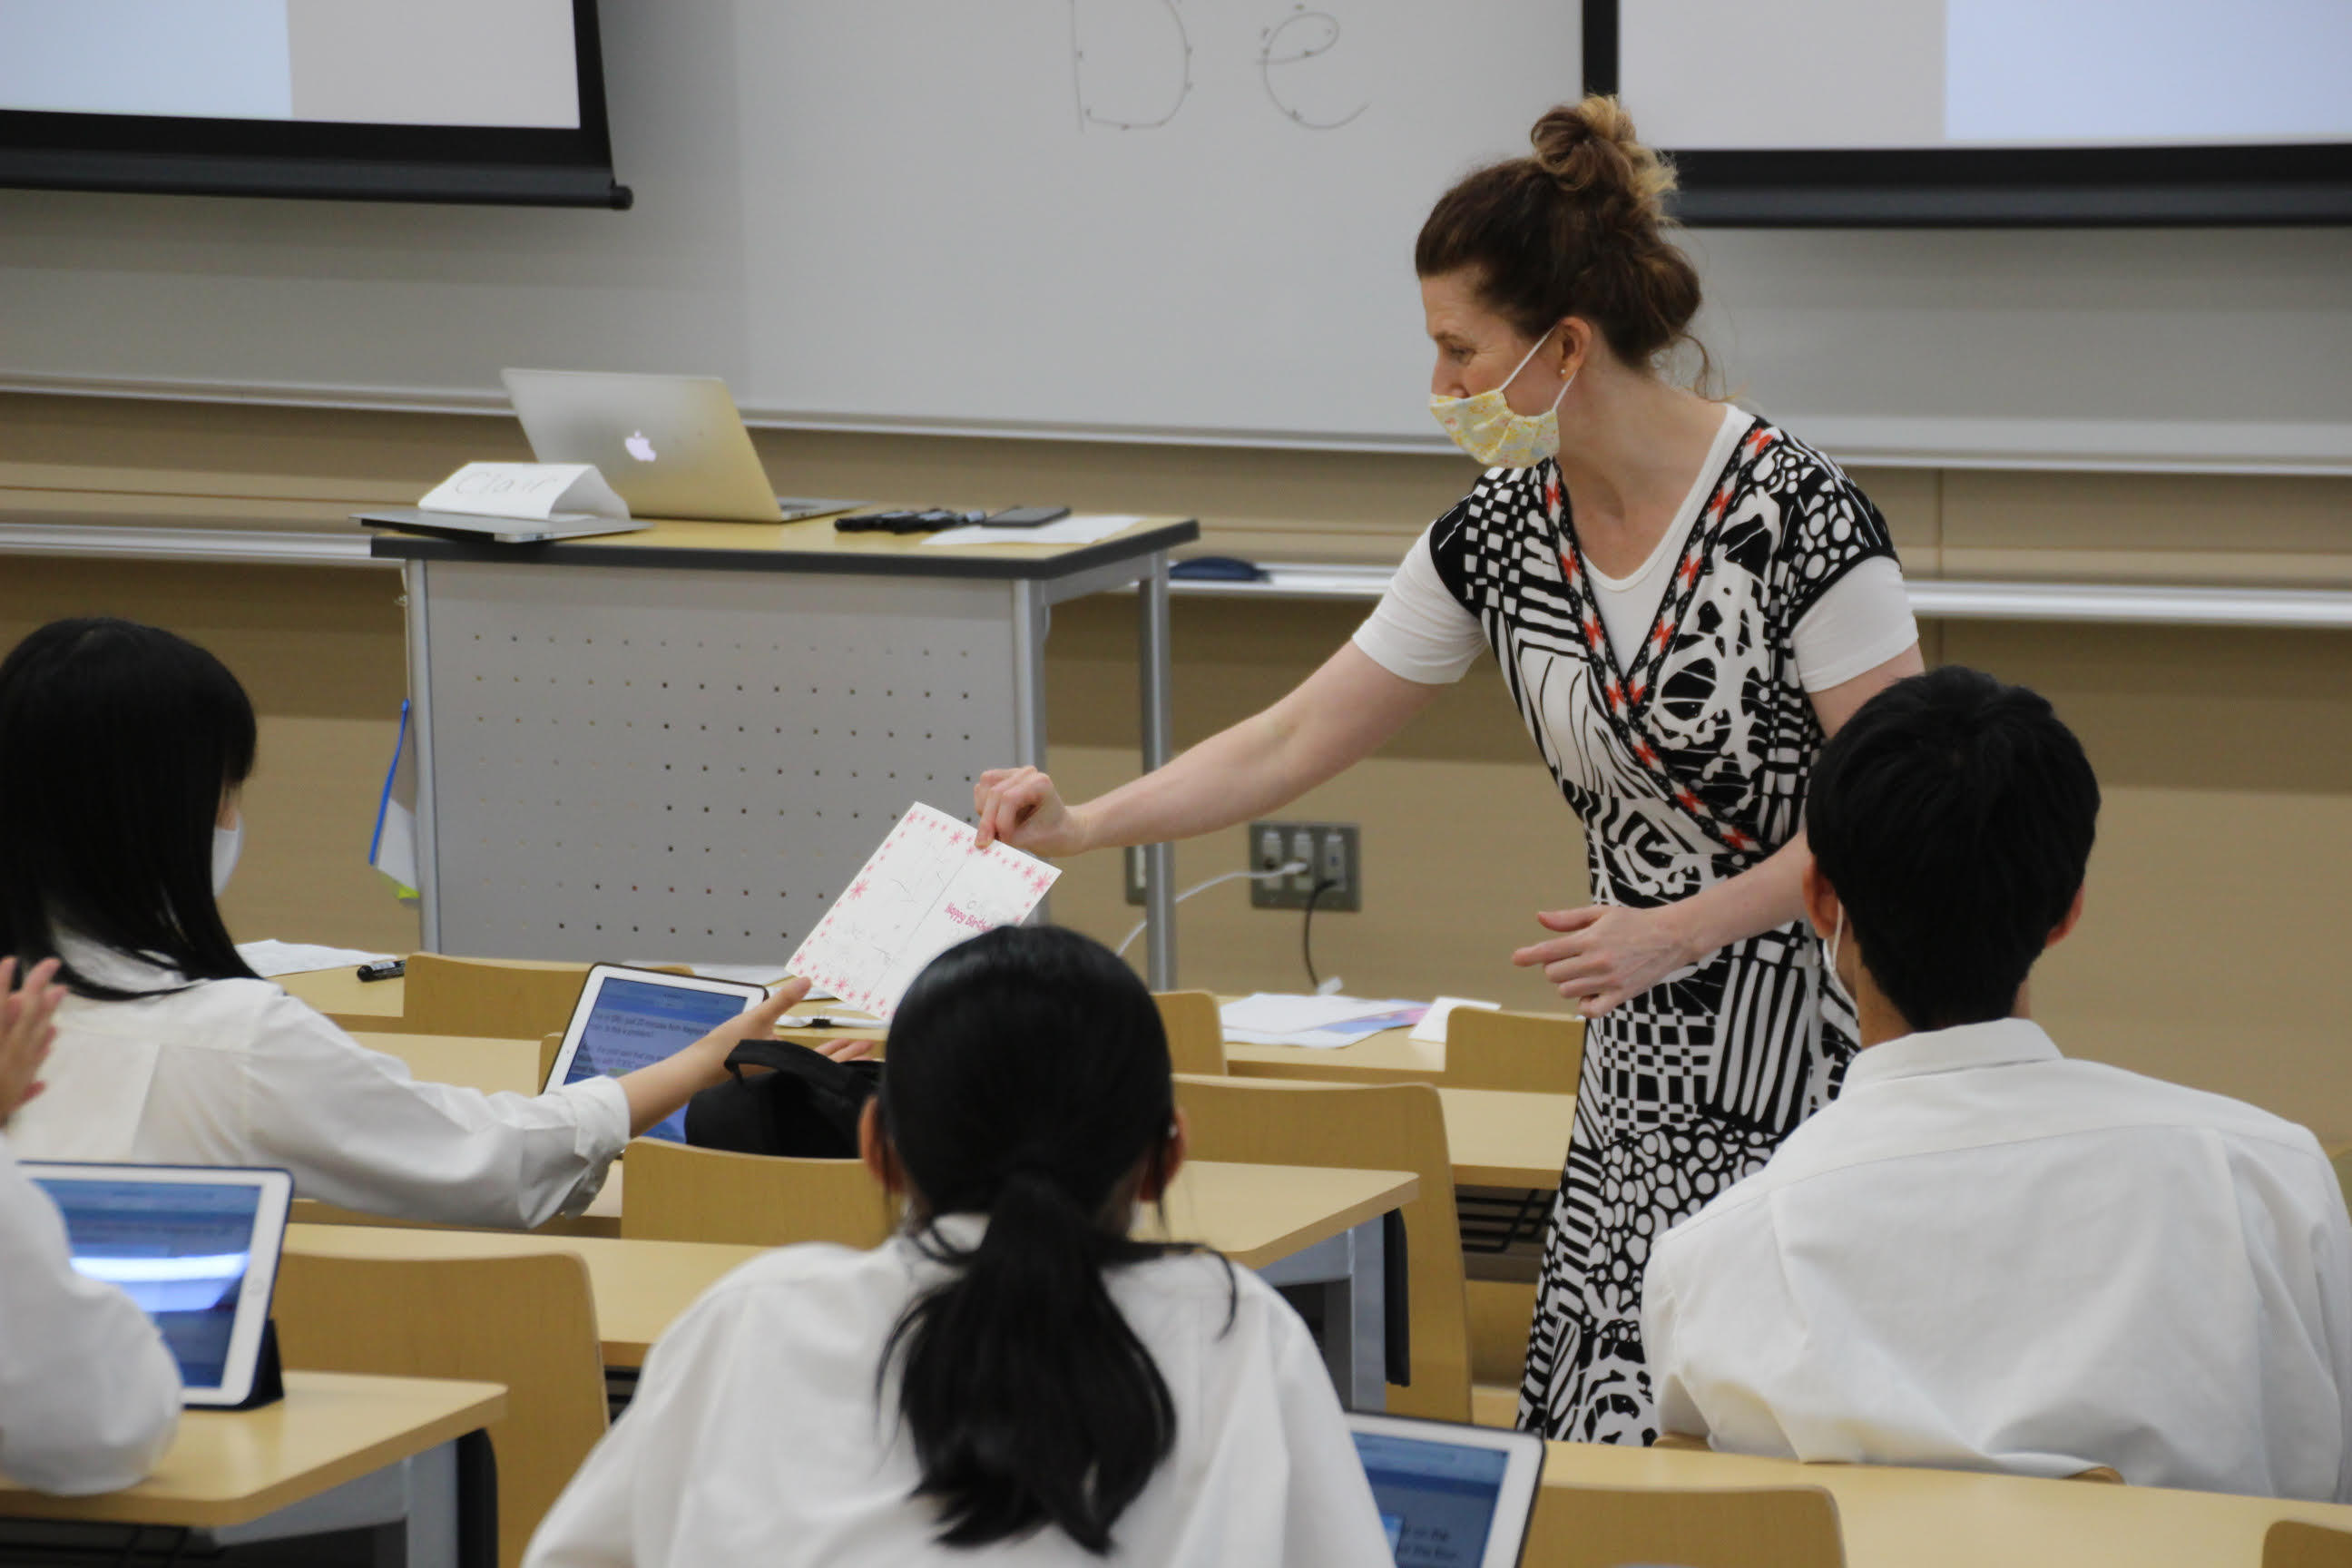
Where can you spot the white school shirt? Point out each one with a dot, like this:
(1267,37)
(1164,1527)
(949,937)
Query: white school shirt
(236,1072)
(89,1395)
(1985,1256)
(1420,632)
(757,1435)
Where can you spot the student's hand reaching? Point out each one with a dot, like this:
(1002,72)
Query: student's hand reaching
(27,1027)
(850,1051)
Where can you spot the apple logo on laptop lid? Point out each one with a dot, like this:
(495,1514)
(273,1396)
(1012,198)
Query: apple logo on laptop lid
(639,447)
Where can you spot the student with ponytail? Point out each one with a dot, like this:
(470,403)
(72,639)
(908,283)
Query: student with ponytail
(1013,1378)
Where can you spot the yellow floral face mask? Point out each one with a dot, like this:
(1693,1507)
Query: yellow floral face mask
(1488,428)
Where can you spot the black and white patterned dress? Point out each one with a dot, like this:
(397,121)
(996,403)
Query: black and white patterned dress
(1687,764)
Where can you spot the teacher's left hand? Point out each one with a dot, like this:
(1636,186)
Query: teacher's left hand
(1606,954)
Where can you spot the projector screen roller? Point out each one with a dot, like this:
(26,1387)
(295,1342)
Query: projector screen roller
(427,99)
(1990,111)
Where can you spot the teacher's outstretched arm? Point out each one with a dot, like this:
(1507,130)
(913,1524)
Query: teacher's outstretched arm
(1332,719)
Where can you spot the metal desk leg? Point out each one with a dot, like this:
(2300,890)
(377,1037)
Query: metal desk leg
(416,600)
(1349,1274)
(420,1492)
(1159,739)
(1033,617)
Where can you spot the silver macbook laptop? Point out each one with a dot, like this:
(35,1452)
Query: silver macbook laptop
(1450,1494)
(672,446)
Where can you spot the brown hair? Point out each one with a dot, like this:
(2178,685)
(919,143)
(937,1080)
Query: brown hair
(1578,229)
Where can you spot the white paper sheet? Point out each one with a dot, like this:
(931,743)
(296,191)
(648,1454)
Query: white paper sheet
(1431,1030)
(1316,1023)
(924,890)
(1084,528)
(1270,1013)
(270,959)
(537,492)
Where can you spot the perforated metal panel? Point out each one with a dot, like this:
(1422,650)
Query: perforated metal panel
(631,763)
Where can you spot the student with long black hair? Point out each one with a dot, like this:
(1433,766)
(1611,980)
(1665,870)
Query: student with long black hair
(1012,1377)
(122,750)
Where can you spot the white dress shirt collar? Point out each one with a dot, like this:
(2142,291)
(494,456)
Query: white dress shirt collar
(2004,1042)
(110,967)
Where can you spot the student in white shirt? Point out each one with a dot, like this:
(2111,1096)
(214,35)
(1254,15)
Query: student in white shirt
(122,750)
(89,1395)
(1982,1254)
(1011,1379)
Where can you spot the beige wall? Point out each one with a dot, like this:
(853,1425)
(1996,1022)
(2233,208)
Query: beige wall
(2218,898)
(320,652)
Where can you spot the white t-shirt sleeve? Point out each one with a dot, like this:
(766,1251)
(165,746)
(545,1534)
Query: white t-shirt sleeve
(89,1395)
(1420,632)
(1863,620)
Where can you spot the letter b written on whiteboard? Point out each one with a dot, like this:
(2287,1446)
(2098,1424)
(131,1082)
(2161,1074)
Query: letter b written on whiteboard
(1131,61)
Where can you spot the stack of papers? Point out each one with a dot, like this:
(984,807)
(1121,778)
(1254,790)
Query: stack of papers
(1318,1023)
(1086,528)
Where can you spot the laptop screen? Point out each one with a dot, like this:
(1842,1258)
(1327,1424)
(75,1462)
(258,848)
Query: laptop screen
(1437,1501)
(180,1250)
(636,1024)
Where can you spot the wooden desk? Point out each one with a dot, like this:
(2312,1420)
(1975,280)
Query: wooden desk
(1392,1055)
(1896,1517)
(1255,1215)
(341,994)
(230,1467)
(356,1003)
(1500,1138)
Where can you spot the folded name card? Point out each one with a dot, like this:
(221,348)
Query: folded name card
(539,492)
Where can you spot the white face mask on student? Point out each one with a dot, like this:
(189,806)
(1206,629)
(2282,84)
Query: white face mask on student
(1488,428)
(227,843)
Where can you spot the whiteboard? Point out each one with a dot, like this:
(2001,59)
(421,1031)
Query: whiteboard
(1185,220)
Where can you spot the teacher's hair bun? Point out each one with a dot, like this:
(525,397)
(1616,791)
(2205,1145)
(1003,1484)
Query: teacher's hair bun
(1590,149)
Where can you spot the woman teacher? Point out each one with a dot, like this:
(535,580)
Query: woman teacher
(1685,601)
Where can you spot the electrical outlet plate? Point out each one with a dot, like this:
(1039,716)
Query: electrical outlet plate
(1331,852)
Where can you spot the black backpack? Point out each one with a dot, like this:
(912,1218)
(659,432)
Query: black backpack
(807,1105)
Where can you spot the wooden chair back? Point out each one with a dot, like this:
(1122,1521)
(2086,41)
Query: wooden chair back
(1603,1527)
(513,999)
(1533,1053)
(1365,1126)
(1196,1035)
(675,1193)
(2291,1544)
(526,1322)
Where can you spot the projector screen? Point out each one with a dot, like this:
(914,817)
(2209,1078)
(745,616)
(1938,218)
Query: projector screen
(1990,111)
(481,100)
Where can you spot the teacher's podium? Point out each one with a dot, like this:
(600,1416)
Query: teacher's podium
(681,743)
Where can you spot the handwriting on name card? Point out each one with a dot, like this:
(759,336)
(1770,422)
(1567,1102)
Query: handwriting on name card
(924,890)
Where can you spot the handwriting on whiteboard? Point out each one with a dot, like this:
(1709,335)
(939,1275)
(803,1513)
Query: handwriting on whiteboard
(1131,65)
(924,890)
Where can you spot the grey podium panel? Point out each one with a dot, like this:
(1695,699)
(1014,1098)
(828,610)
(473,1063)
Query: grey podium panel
(637,765)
